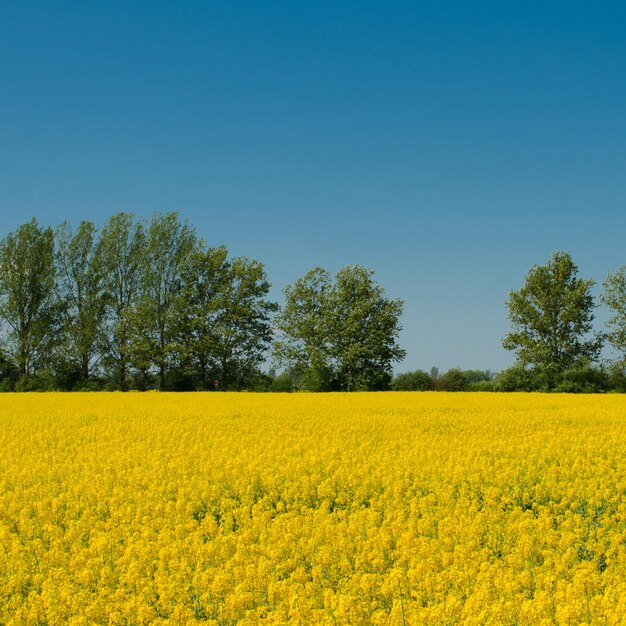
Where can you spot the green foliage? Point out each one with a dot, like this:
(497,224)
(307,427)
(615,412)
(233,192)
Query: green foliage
(477,376)
(616,374)
(552,318)
(583,378)
(304,337)
(283,383)
(156,321)
(204,275)
(339,334)
(82,300)
(413,381)
(518,377)
(43,380)
(9,373)
(226,327)
(614,297)
(147,305)
(261,383)
(27,295)
(452,380)
(365,326)
(481,385)
(243,328)
(121,255)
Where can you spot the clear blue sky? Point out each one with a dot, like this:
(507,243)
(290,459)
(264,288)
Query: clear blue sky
(447,145)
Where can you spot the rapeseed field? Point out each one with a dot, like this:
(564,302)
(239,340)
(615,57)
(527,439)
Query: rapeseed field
(390,508)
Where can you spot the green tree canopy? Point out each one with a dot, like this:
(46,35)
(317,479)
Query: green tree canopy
(122,256)
(225,318)
(156,322)
(551,317)
(27,294)
(81,295)
(340,334)
(614,297)
(243,325)
(417,380)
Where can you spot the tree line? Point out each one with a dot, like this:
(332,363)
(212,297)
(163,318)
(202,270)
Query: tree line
(147,304)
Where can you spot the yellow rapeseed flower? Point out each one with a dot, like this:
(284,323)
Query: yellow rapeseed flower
(390,508)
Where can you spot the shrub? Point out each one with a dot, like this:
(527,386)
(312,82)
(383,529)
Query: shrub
(616,376)
(413,381)
(452,380)
(517,378)
(481,385)
(583,378)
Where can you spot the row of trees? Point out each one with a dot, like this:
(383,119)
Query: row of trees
(147,304)
(552,336)
(454,379)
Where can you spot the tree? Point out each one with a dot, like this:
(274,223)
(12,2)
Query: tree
(155,321)
(26,294)
(81,295)
(243,325)
(225,318)
(614,297)
(339,334)
(203,276)
(121,254)
(552,318)
(365,326)
(304,342)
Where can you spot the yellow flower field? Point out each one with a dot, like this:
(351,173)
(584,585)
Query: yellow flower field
(390,508)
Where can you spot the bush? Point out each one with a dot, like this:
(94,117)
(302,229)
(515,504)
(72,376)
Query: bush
(283,383)
(583,378)
(89,385)
(517,378)
(41,381)
(481,385)
(477,376)
(262,383)
(7,384)
(616,376)
(452,380)
(413,381)
(8,374)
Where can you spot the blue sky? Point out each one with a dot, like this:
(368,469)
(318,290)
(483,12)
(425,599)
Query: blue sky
(447,145)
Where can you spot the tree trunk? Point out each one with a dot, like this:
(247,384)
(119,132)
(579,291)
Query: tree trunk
(84,367)
(122,370)
(162,376)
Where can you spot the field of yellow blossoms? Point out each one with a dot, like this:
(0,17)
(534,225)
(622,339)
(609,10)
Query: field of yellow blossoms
(390,508)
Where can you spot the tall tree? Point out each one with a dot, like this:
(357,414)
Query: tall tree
(227,317)
(303,342)
(365,327)
(243,328)
(81,294)
(614,297)
(27,294)
(552,317)
(169,244)
(340,334)
(121,253)
(204,275)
